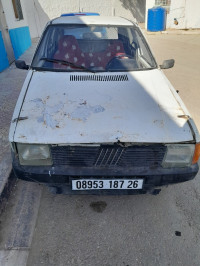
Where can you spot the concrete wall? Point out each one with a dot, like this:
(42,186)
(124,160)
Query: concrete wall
(20,39)
(39,12)
(37,17)
(129,8)
(185,11)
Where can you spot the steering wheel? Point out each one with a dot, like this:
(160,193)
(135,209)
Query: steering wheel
(118,56)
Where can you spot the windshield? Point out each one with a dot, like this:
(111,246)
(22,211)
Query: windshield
(92,48)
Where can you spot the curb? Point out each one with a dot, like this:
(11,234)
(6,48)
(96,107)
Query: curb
(5,171)
(173,32)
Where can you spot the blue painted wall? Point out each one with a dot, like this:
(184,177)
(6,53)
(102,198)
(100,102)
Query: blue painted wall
(3,55)
(20,39)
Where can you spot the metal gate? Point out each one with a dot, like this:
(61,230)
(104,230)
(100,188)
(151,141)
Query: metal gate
(5,35)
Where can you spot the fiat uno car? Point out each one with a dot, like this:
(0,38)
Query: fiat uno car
(96,114)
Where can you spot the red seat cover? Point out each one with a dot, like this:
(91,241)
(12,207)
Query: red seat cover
(69,50)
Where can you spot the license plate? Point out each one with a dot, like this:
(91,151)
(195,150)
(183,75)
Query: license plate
(90,184)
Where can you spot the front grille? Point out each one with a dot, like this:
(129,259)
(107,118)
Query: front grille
(74,155)
(108,156)
(98,78)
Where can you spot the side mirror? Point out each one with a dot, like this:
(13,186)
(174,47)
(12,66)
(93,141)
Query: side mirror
(21,64)
(167,64)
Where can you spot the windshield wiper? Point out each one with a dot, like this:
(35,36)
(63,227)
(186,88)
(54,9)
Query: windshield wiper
(65,62)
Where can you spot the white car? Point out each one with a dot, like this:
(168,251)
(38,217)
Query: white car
(97,115)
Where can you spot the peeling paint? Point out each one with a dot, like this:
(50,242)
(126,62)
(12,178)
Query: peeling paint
(48,112)
(82,113)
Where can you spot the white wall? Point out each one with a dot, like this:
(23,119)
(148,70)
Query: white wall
(177,10)
(39,12)
(187,13)
(12,22)
(149,4)
(33,20)
(36,16)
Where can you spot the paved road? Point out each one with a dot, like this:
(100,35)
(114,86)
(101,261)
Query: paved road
(51,230)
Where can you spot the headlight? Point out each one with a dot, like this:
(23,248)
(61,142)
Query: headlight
(178,155)
(34,154)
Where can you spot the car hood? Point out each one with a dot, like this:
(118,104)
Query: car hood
(139,107)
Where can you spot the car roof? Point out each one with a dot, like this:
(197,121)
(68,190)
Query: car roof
(92,20)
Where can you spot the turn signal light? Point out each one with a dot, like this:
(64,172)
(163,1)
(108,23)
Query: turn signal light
(196,153)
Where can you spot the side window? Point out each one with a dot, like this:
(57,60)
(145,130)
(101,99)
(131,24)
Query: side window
(17,9)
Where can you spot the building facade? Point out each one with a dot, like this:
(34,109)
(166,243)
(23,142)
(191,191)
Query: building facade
(14,31)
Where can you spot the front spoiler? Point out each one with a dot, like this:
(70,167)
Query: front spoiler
(59,177)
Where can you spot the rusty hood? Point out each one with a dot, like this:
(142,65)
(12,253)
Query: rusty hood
(140,107)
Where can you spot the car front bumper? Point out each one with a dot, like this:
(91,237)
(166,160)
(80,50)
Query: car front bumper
(60,177)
